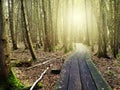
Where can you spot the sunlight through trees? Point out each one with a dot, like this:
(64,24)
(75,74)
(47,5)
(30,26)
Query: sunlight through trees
(58,25)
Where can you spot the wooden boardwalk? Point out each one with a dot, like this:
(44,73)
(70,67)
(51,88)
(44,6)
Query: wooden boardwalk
(79,73)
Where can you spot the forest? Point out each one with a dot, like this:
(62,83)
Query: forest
(37,36)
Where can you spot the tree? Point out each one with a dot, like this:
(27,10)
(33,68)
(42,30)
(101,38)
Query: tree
(116,28)
(102,30)
(27,34)
(4,50)
(65,26)
(87,33)
(46,26)
(104,27)
(11,23)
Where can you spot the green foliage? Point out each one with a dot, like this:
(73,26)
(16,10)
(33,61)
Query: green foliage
(13,82)
(40,85)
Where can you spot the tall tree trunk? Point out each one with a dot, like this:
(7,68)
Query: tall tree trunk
(110,25)
(56,22)
(87,33)
(65,27)
(47,44)
(51,30)
(4,50)
(41,24)
(38,38)
(11,25)
(71,26)
(116,28)
(104,34)
(27,34)
(102,31)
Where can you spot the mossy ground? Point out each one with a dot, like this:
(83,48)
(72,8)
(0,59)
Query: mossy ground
(13,83)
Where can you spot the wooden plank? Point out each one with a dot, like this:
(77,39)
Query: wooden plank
(86,79)
(79,73)
(74,79)
(99,80)
(62,83)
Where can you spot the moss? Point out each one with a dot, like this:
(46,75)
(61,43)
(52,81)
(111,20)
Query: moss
(1,88)
(40,85)
(37,86)
(13,82)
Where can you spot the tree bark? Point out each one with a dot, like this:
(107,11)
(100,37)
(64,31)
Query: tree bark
(27,34)
(116,29)
(4,50)
(47,45)
(11,23)
(102,31)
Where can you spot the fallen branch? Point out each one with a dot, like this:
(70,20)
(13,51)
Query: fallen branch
(42,63)
(39,78)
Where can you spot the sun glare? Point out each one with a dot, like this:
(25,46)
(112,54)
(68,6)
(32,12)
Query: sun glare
(79,47)
(77,16)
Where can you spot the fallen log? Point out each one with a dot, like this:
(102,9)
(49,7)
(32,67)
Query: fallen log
(42,63)
(34,84)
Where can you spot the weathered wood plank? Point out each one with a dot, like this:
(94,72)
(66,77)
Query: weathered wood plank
(99,80)
(79,73)
(62,84)
(74,79)
(86,79)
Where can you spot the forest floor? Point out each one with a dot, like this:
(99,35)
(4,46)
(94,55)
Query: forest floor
(110,68)
(29,76)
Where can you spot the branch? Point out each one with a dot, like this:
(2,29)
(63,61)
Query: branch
(41,63)
(39,78)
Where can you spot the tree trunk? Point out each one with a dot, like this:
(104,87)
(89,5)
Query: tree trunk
(11,25)
(102,31)
(65,27)
(47,44)
(51,30)
(116,29)
(110,24)
(27,34)
(87,33)
(4,50)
